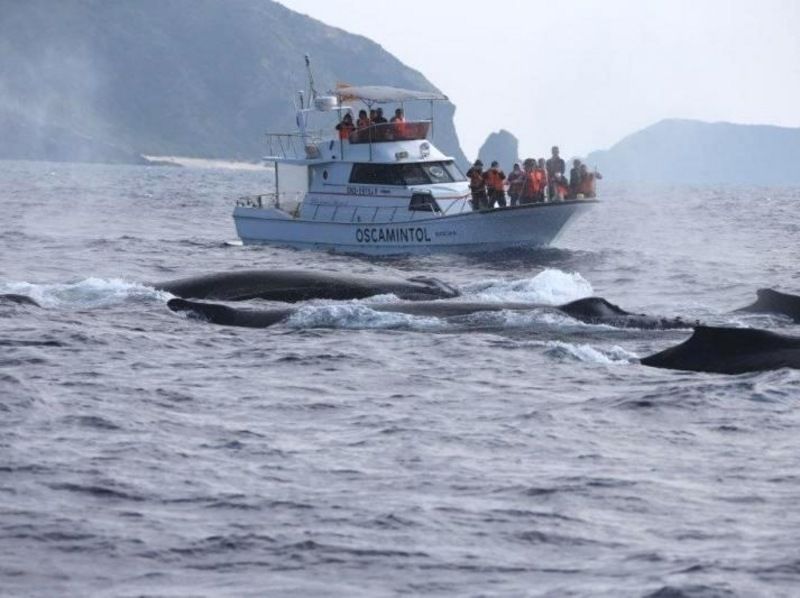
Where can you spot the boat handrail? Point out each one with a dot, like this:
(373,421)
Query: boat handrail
(296,146)
(290,203)
(392,131)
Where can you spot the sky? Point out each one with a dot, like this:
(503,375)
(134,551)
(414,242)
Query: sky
(584,74)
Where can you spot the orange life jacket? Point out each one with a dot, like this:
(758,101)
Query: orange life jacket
(540,174)
(530,187)
(494,179)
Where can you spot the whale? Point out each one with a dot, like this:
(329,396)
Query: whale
(771,301)
(291,286)
(729,351)
(18,299)
(593,310)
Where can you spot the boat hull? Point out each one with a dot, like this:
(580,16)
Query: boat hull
(532,225)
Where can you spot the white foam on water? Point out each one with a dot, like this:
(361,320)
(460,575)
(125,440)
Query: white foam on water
(551,287)
(87,293)
(355,316)
(588,354)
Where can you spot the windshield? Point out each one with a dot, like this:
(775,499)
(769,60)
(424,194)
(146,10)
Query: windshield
(414,173)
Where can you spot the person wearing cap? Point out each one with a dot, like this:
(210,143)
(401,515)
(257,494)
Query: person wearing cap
(495,181)
(515,182)
(555,165)
(477,185)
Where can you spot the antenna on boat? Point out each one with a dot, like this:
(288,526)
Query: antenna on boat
(311,78)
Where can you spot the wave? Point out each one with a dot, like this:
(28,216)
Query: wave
(87,293)
(588,354)
(551,287)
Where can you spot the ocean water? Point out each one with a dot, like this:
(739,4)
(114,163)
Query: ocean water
(349,452)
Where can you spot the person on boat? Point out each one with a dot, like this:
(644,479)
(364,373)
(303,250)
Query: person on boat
(561,188)
(555,165)
(381,132)
(575,179)
(515,181)
(477,185)
(588,186)
(495,181)
(363,121)
(399,123)
(531,183)
(346,126)
(540,171)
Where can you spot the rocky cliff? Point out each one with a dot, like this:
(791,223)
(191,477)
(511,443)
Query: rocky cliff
(106,81)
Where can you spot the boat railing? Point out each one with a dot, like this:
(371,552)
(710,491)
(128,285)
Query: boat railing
(392,131)
(296,146)
(290,203)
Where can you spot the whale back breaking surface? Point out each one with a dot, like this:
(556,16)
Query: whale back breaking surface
(596,310)
(774,302)
(729,351)
(296,285)
(229,316)
(18,299)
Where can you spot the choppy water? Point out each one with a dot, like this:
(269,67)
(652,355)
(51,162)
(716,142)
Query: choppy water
(355,453)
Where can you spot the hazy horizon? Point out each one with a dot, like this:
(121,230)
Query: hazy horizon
(613,68)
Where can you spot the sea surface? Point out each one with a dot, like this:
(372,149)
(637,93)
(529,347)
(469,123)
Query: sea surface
(354,453)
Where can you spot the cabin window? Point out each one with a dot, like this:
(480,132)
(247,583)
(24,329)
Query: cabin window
(406,174)
(423,202)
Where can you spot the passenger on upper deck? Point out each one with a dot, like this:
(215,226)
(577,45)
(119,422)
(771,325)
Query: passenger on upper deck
(555,165)
(379,118)
(399,122)
(346,126)
(494,178)
(363,121)
(477,186)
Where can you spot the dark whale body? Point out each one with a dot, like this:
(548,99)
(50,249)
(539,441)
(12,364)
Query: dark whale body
(771,301)
(299,285)
(729,351)
(18,299)
(595,310)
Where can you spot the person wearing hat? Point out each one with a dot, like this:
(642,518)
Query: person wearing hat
(495,181)
(477,185)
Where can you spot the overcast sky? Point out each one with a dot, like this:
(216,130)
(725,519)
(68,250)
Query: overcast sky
(584,74)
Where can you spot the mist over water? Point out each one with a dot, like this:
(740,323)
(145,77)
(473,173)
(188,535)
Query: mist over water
(351,452)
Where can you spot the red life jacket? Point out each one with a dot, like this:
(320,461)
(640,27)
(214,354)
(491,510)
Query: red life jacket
(540,174)
(530,187)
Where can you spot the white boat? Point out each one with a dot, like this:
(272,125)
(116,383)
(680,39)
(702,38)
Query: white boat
(386,189)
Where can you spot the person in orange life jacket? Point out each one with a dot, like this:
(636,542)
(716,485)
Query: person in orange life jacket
(346,126)
(555,165)
(515,182)
(477,186)
(530,183)
(541,174)
(588,184)
(399,122)
(575,179)
(494,178)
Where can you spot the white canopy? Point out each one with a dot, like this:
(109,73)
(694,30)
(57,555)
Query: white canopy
(383,93)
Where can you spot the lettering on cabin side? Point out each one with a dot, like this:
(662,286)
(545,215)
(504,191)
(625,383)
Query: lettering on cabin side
(392,234)
(353,190)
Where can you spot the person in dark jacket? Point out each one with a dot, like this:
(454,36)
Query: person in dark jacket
(575,179)
(477,185)
(515,179)
(555,165)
